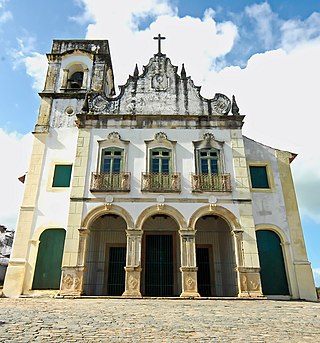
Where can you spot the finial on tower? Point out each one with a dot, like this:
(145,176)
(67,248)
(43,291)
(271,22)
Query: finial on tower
(159,38)
(136,71)
(234,107)
(183,72)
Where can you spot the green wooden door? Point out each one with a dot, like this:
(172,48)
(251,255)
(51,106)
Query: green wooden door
(159,266)
(48,266)
(273,273)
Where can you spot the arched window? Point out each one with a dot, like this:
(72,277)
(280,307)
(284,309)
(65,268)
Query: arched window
(160,160)
(209,173)
(111,174)
(208,161)
(160,175)
(112,160)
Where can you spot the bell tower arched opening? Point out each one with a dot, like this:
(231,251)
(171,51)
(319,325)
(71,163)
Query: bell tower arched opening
(215,256)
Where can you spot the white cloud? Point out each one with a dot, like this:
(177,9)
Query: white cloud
(35,63)
(297,31)
(4,14)
(36,66)
(14,163)
(265,21)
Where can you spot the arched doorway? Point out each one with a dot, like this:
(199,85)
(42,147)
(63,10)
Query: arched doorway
(272,273)
(48,266)
(215,257)
(160,257)
(106,256)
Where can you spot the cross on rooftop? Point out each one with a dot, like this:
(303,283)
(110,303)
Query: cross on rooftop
(159,38)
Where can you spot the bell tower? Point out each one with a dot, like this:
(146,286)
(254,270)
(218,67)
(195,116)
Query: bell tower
(74,68)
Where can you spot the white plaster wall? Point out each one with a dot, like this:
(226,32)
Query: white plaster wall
(53,203)
(59,117)
(268,207)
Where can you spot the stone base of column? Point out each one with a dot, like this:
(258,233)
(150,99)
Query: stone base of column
(71,281)
(132,285)
(250,282)
(13,282)
(189,282)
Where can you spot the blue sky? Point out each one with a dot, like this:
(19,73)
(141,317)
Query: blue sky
(267,53)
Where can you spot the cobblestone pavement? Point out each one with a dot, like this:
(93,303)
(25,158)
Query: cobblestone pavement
(157,320)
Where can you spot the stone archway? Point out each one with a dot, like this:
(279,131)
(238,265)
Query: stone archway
(160,256)
(105,256)
(215,256)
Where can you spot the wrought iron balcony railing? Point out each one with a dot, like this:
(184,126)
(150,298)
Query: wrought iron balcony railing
(161,182)
(110,182)
(211,183)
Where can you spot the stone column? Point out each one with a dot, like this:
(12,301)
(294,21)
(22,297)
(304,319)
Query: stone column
(85,79)
(133,264)
(237,241)
(64,83)
(188,264)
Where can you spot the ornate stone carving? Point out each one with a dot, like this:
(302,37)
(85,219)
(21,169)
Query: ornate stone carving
(67,281)
(72,281)
(114,136)
(190,283)
(159,82)
(221,104)
(250,283)
(160,136)
(208,136)
(98,103)
(132,283)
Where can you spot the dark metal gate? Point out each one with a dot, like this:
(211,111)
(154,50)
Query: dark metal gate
(116,272)
(204,274)
(159,265)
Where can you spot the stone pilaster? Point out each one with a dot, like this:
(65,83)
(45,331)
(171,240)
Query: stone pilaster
(188,264)
(85,79)
(250,283)
(302,267)
(16,274)
(64,79)
(133,264)
(71,281)
(249,271)
(75,243)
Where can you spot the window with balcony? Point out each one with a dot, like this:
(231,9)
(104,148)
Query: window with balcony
(209,175)
(160,176)
(111,175)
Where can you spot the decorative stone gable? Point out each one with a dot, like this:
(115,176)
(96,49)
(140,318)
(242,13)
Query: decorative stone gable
(159,90)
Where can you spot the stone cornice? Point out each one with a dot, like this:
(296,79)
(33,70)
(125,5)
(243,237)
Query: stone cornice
(143,121)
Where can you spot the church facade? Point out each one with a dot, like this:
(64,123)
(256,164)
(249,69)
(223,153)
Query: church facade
(154,192)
